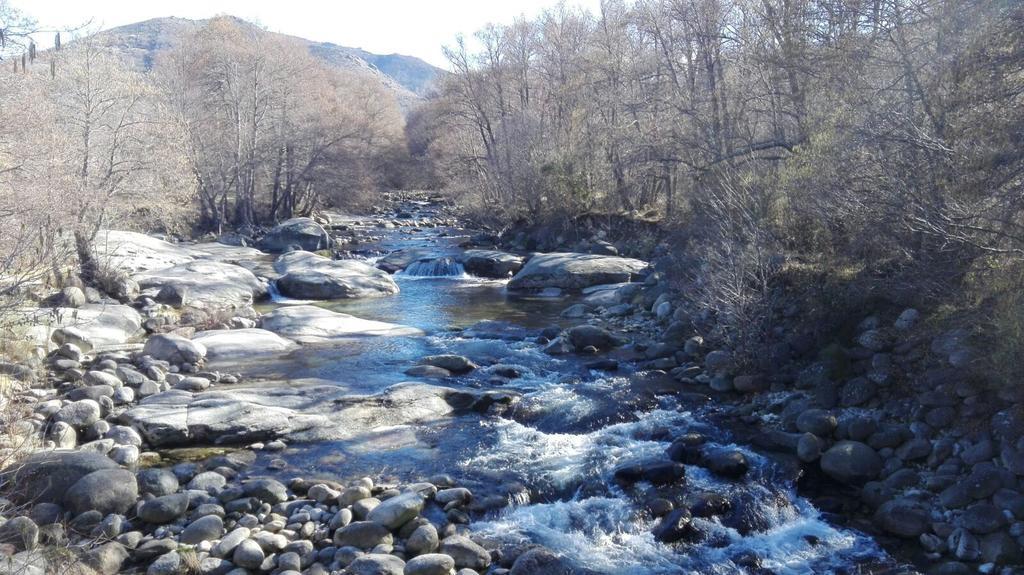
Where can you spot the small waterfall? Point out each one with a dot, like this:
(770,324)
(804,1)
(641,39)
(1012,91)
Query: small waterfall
(437,267)
(277,297)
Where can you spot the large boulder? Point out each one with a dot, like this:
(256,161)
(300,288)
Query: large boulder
(312,324)
(44,477)
(174,349)
(203,284)
(302,232)
(851,462)
(572,271)
(308,276)
(491,264)
(236,344)
(106,490)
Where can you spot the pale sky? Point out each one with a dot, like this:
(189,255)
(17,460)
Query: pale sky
(416,28)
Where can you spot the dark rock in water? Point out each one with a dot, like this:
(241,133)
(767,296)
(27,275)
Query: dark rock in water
(453,363)
(730,463)
(583,336)
(686,449)
(628,474)
(708,504)
(663,472)
(491,264)
(674,526)
(604,365)
(540,560)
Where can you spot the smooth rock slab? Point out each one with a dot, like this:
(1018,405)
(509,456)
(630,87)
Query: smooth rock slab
(235,344)
(204,284)
(135,252)
(306,275)
(574,271)
(312,324)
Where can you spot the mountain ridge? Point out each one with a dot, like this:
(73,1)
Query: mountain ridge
(408,78)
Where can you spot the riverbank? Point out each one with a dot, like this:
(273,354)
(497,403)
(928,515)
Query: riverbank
(398,350)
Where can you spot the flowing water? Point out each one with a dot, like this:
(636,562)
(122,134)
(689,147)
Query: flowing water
(552,456)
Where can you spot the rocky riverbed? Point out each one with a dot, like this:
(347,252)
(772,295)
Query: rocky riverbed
(389,394)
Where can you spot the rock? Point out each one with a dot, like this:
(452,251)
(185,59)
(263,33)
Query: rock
(227,545)
(1001,549)
(431,564)
(240,344)
(857,391)
(312,324)
(93,392)
(166,564)
(20,532)
(123,435)
(465,552)
(299,412)
(907,319)
(206,528)
(157,482)
(427,371)
(809,447)
(982,518)
(79,414)
(106,490)
(574,271)
(70,296)
(205,285)
(397,511)
(398,260)
(816,421)
(718,362)
(248,554)
(308,276)
(106,559)
(423,540)
(583,336)
(903,517)
(135,252)
(362,535)
(851,462)
(730,463)
(45,477)
(674,526)
(302,232)
(376,565)
(491,264)
(63,435)
(164,509)
(452,363)
(174,349)
(269,491)
(540,560)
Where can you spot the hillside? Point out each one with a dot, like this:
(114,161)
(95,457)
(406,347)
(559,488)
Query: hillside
(407,77)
